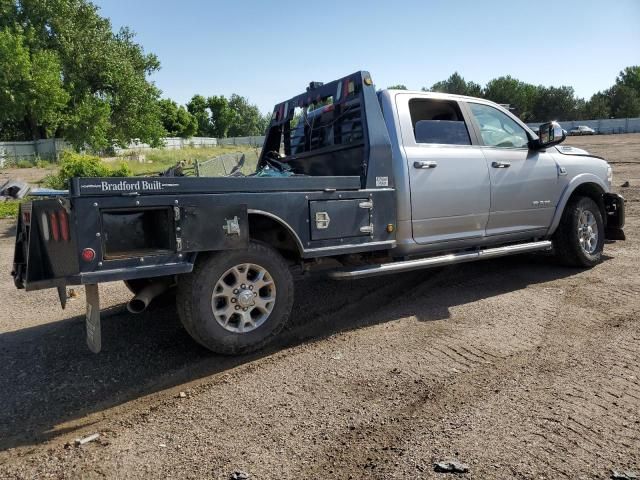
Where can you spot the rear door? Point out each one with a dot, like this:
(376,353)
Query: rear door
(525,187)
(449,178)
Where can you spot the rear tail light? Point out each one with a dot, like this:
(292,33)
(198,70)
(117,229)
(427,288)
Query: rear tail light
(88,254)
(55,228)
(63,218)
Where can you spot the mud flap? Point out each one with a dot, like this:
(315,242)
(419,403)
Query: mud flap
(92,320)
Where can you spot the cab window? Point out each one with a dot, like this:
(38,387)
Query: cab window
(438,122)
(498,129)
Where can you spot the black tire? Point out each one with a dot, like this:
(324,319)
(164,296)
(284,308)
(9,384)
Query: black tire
(195,298)
(566,240)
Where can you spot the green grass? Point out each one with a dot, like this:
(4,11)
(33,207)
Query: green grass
(158,160)
(33,163)
(9,209)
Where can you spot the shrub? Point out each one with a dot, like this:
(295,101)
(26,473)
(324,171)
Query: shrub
(24,163)
(80,165)
(9,208)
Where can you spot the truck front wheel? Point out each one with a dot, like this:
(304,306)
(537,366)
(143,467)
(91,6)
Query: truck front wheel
(236,301)
(579,240)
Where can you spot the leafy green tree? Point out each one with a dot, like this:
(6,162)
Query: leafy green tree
(221,115)
(554,103)
(458,85)
(72,45)
(89,123)
(624,96)
(598,106)
(177,121)
(509,90)
(630,77)
(246,118)
(397,87)
(31,92)
(197,107)
(625,102)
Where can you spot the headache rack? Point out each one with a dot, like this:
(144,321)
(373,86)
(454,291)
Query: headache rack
(333,129)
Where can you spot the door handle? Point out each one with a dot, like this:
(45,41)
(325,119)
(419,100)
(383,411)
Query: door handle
(501,164)
(425,164)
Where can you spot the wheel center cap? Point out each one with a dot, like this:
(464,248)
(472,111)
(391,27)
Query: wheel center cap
(245,298)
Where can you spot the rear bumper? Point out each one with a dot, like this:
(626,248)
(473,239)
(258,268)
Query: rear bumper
(614,208)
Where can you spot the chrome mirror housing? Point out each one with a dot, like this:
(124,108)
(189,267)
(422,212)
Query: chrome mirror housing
(549,134)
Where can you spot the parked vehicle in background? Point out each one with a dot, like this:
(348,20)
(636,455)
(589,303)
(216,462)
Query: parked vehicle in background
(350,182)
(582,130)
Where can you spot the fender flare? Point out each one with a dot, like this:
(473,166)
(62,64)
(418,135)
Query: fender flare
(575,182)
(279,220)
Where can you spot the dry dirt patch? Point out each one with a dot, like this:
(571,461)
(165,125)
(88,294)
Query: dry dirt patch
(517,367)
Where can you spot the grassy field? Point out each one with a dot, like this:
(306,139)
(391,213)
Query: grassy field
(157,160)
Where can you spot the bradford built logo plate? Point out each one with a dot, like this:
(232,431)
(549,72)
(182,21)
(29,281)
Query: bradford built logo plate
(120,186)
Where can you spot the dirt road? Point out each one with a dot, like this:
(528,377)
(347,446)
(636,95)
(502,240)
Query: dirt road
(517,367)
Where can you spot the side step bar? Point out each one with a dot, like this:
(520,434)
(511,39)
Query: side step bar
(450,259)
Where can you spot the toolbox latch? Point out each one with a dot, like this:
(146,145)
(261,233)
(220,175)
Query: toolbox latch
(322,220)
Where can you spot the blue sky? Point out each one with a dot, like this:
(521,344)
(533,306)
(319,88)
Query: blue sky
(269,50)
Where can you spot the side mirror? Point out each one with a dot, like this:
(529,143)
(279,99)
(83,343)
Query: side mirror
(549,134)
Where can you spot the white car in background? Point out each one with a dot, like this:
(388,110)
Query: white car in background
(582,130)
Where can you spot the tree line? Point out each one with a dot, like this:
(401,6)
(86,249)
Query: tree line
(539,103)
(65,73)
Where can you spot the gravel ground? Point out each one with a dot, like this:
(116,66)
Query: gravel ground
(516,367)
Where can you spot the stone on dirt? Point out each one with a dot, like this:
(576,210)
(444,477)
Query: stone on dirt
(450,466)
(239,475)
(626,184)
(623,475)
(87,439)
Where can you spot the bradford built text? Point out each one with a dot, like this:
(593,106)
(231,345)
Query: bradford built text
(124,185)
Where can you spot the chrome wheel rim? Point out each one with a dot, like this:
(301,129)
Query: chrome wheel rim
(588,231)
(243,298)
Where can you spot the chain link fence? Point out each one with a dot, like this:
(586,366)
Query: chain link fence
(223,165)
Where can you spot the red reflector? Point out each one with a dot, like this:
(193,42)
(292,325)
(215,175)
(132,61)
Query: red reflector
(328,108)
(88,254)
(55,228)
(26,216)
(64,225)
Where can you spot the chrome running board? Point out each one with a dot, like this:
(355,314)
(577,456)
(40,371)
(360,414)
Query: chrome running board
(450,259)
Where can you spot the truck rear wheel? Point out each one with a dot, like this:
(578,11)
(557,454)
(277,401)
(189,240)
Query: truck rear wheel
(579,240)
(237,301)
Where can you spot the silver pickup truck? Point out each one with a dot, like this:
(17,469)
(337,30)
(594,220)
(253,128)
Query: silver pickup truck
(377,182)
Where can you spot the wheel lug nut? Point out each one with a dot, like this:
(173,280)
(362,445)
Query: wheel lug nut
(250,287)
(236,291)
(233,300)
(243,286)
(237,307)
(244,309)
(255,294)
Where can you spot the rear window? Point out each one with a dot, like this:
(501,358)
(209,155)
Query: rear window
(438,122)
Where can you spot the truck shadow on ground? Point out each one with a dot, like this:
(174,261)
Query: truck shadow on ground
(48,377)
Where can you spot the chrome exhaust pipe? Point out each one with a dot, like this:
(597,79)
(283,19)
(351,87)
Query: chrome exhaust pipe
(141,301)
